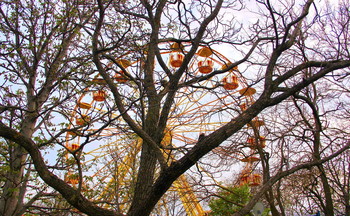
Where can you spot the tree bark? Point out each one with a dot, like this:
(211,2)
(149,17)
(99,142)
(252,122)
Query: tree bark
(327,191)
(9,201)
(270,199)
(145,179)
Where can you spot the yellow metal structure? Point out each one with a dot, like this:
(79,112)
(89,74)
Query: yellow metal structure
(188,119)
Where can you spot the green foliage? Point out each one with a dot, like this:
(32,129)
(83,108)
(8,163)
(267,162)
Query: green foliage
(230,200)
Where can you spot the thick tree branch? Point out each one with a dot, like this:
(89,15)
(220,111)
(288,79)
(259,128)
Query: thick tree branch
(68,192)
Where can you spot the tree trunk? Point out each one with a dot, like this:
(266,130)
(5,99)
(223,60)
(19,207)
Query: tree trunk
(270,198)
(10,201)
(329,210)
(145,178)
(347,204)
(148,161)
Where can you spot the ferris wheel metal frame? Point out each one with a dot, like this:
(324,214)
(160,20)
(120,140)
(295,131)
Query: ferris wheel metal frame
(190,115)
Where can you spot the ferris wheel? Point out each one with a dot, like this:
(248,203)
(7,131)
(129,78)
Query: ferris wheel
(208,97)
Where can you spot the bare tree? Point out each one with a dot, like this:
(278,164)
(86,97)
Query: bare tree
(36,61)
(60,51)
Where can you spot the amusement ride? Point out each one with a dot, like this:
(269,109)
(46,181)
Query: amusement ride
(108,156)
